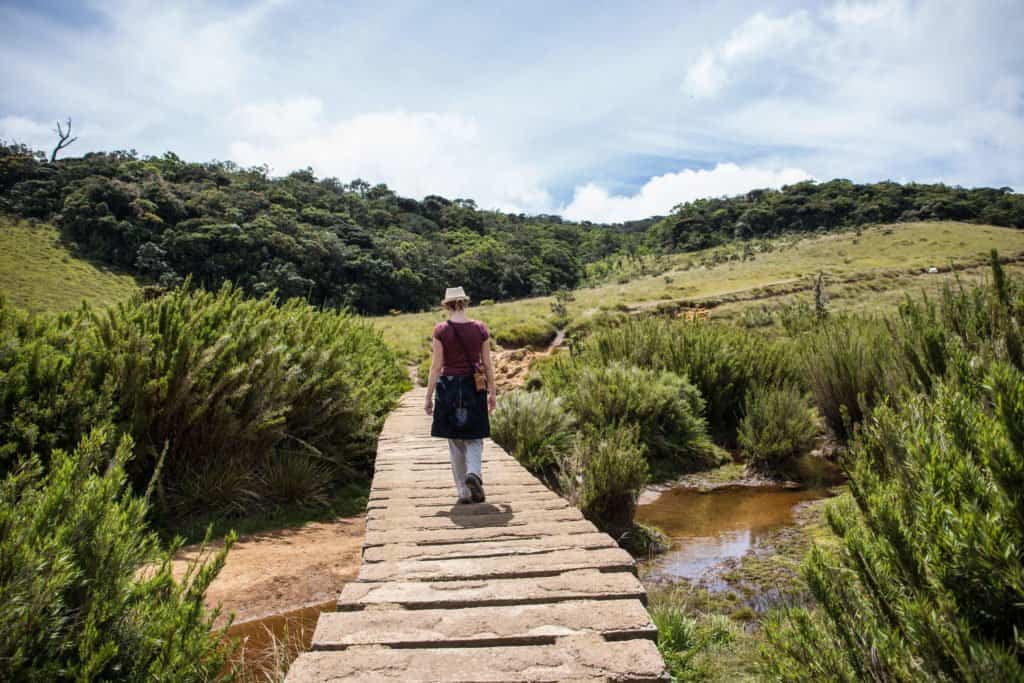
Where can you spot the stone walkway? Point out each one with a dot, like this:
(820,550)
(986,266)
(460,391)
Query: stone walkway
(520,588)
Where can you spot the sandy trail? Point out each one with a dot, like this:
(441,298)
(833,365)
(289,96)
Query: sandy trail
(285,569)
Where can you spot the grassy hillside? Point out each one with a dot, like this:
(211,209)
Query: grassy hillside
(866,269)
(37,272)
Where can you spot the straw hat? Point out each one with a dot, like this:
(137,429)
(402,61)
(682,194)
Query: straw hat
(454,294)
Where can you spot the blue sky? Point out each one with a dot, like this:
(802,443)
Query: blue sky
(601,111)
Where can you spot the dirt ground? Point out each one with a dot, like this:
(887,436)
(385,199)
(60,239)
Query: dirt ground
(283,570)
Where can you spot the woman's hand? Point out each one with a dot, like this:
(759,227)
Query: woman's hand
(428,405)
(492,401)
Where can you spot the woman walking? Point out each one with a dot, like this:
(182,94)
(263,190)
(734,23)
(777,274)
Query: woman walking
(462,375)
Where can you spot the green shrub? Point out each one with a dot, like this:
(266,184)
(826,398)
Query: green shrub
(778,426)
(603,475)
(753,318)
(927,582)
(722,361)
(534,427)
(665,407)
(423,371)
(48,399)
(77,601)
(982,322)
(797,317)
(223,386)
(850,365)
(687,641)
(535,333)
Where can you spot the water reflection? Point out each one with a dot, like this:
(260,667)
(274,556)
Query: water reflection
(265,642)
(707,529)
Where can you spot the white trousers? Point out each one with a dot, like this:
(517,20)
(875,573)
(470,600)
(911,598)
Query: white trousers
(466,456)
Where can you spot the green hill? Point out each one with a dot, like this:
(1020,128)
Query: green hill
(871,268)
(353,244)
(39,273)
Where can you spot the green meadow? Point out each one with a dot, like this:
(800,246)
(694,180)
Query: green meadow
(873,267)
(40,273)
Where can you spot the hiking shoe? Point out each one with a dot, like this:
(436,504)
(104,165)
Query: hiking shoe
(476,488)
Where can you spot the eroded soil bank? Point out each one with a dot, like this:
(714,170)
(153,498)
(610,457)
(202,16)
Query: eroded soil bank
(285,570)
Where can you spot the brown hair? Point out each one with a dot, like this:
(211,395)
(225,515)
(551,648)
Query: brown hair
(457,305)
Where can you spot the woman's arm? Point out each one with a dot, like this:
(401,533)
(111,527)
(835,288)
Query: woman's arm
(436,362)
(492,391)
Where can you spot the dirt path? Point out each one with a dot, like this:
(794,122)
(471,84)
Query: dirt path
(284,570)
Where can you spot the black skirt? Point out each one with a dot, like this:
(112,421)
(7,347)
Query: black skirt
(460,411)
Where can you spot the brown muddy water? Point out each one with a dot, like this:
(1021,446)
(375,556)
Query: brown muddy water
(709,528)
(265,641)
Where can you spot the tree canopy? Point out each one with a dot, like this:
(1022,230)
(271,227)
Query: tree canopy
(363,246)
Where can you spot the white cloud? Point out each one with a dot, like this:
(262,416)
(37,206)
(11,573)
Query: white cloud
(415,153)
(861,13)
(26,131)
(661,193)
(757,37)
(871,90)
(501,108)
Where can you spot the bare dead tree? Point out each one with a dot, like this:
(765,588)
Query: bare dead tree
(64,141)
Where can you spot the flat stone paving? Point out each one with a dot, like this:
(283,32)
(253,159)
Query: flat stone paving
(519,588)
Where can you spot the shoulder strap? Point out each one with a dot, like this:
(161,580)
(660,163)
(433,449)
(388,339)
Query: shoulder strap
(455,331)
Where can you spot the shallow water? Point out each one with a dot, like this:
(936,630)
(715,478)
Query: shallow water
(263,639)
(707,529)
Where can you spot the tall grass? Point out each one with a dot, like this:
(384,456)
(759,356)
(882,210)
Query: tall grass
(665,408)
(603,476)
(689,641)
(249,403)
(979,322)
(850,365)
(722,362)
(87,592)
(928,580)
(779,425)
(535,428)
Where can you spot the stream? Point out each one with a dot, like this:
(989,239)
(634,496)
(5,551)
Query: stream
(707,529)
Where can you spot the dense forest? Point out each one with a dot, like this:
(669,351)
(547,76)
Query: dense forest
(363,246)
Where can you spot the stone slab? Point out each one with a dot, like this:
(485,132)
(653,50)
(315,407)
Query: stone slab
(453,509)
(448,490)
(522,546)
(478,626)
(391,479)
(571,659)
(445,501)
(504,566)
(475,534)
(459,521)
(578,585)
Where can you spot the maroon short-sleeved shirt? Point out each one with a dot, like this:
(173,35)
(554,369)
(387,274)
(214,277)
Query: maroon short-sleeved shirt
(473,334)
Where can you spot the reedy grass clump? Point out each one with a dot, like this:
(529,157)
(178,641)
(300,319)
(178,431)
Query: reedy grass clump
(722,361)
(928,579)
(225,389)
(688,641)
(778,425)
(983,323)
(850,365)
(78,603)
(535,428)
(664,407)
(603,475)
